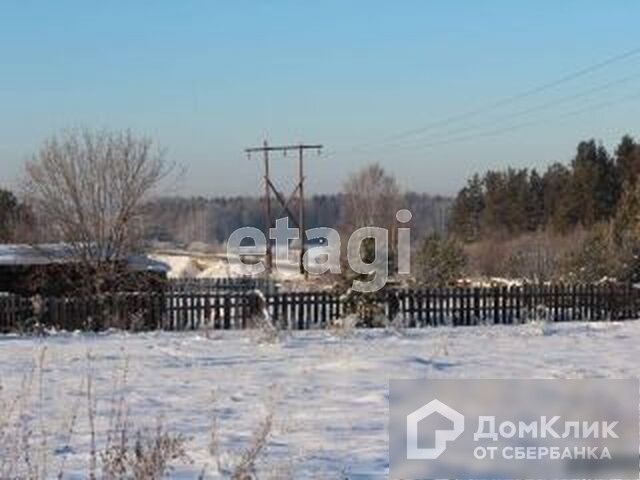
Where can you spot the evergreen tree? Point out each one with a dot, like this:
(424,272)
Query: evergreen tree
(506,201)
(466,213)
(440,261)
(627,160)
(627,219)
(535,206)
(13,214)
(625,234)
(593,261)
(595,187)
(558,212)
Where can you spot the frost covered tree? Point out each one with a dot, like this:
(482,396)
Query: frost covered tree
(371,199)
(593,260)
(88,189)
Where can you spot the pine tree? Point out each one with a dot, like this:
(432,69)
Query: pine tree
(440,261)
(535,202)
(466,213)
(559,212)
(625,234)
(16,218)
(593,261)
(627,160)
(595,187)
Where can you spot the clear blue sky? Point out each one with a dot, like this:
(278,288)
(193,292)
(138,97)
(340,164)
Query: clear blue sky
(207,79)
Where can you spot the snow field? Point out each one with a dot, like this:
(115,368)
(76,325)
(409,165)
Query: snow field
(328,393)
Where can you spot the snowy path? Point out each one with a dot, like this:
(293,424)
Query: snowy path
(330,393)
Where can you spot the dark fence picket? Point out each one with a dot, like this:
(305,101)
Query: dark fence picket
(226,313)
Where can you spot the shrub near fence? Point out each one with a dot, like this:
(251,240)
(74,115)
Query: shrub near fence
(180,309)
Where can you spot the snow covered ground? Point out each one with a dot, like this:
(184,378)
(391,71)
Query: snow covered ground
(190,265)
(328,392)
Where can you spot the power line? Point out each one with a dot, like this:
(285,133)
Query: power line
(511,128)
(499,103)
(525,112)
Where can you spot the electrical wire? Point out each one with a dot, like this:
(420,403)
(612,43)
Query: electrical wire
(494,105)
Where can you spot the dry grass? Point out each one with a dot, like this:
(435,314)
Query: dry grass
(243,464)
(123,450)
(23,439)
(149,454)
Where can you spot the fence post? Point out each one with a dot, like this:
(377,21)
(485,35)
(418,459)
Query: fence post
(226,313)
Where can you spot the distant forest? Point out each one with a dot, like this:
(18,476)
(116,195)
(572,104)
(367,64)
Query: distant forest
(196,219)
(573,222)
(587,191)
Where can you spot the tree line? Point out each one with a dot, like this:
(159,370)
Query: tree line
(574,222)
(98,190)
(183,220)
(583,193)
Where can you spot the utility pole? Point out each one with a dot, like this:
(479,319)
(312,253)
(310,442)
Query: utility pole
(298,192)
(303,237)
(267,206)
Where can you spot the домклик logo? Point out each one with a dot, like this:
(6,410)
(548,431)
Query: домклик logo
(441,437)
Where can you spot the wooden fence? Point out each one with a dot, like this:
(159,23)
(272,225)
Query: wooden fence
(14,311)
(181,309)
(509,305)
(200,285)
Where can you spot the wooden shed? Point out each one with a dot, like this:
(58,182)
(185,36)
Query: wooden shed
(53,269)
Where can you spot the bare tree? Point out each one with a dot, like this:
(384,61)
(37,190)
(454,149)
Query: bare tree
(371,199)
(88,188)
